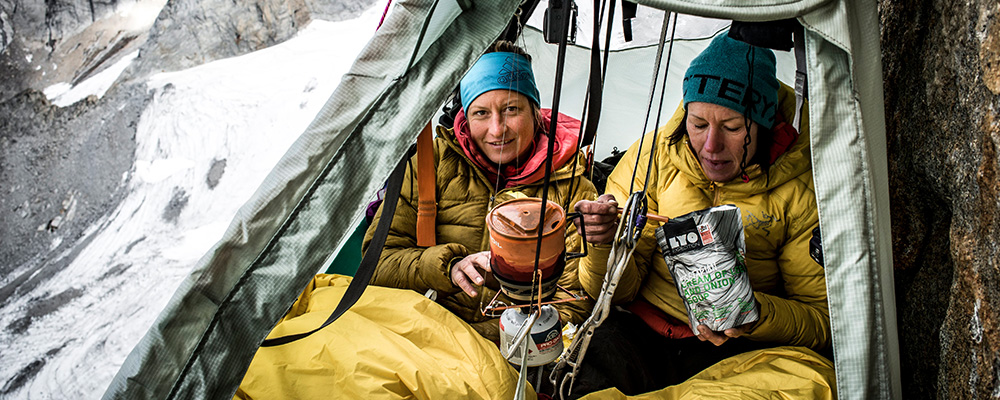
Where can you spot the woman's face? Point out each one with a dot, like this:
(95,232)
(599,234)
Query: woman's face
(502,123)
(717,134)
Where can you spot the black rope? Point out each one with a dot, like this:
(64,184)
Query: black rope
(588,129)
(659,111)
(649,105)
(371,257)
(556,92)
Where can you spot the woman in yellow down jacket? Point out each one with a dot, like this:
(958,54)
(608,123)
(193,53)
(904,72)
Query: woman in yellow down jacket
(709,154)
(494,152)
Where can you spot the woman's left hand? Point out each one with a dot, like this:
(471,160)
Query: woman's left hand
(718,338)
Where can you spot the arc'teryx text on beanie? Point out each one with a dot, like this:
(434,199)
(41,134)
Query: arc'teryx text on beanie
(719,75)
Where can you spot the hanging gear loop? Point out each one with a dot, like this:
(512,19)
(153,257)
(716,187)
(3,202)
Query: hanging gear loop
(801,78)
(574,356)
(593,99)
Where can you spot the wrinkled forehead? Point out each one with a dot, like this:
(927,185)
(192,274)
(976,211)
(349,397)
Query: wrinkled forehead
(500,97)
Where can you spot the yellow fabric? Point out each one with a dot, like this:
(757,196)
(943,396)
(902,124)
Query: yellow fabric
(464,198)
(779,213)
(393,344)
(777,373)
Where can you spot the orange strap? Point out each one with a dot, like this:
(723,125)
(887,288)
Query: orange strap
(426,177)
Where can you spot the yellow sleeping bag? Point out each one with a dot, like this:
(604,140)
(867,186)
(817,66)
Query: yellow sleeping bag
(776,373)
(392,344)
(397,344)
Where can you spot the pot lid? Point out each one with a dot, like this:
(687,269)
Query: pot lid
(520,217)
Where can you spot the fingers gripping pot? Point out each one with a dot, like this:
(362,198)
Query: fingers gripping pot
(514,226)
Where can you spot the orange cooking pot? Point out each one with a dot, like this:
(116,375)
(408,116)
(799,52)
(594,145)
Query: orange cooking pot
(514,226)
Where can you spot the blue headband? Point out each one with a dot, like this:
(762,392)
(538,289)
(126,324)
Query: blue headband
(499,70)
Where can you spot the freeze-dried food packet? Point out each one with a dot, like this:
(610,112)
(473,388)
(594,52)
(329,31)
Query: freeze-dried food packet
(704,252)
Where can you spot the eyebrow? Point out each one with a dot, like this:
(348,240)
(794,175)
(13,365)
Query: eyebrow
(515,100)
(509,102)
(723,121)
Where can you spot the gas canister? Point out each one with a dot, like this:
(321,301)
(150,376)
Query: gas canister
(544,340)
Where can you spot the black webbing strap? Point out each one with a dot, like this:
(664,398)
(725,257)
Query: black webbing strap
(628,13)
(595,89)
(371,257)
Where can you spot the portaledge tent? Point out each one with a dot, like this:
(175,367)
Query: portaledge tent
(203,341)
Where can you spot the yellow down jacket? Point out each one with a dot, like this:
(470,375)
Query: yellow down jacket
(779,215)
(464,197)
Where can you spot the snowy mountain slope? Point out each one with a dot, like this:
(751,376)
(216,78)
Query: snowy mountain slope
(204,143)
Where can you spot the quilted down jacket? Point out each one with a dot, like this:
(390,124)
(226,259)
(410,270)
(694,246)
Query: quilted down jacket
(779,216)
(464,197)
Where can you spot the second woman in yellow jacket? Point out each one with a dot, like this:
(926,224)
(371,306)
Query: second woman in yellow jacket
(724,145)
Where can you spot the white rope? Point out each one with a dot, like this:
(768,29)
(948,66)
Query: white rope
(621,251)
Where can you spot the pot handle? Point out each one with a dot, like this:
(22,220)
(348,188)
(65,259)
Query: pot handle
(583,234)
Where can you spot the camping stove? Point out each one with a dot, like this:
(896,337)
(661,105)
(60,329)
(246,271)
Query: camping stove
(530,331)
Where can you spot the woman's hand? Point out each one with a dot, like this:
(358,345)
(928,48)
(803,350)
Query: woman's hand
(600,218)
(718,338)
(466,273)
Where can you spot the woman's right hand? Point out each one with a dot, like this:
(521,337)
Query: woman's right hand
(600,218)
(466,273)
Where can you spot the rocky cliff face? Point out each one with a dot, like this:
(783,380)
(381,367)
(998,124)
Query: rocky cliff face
(42,43)
(190,32)
(942,87)
(62,168)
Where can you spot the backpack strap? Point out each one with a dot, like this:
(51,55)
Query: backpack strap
(426,181)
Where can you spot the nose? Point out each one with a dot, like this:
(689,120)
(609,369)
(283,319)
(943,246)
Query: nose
(497,125)
(714,140)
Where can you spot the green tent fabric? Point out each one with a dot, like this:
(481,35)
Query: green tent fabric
(203,341)
(348,259)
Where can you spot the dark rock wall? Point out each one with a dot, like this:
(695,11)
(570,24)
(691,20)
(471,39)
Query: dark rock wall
(941,60)
(60,170)
(35,37)
(192,32)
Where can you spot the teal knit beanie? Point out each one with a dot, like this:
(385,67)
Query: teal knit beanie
(721,75)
